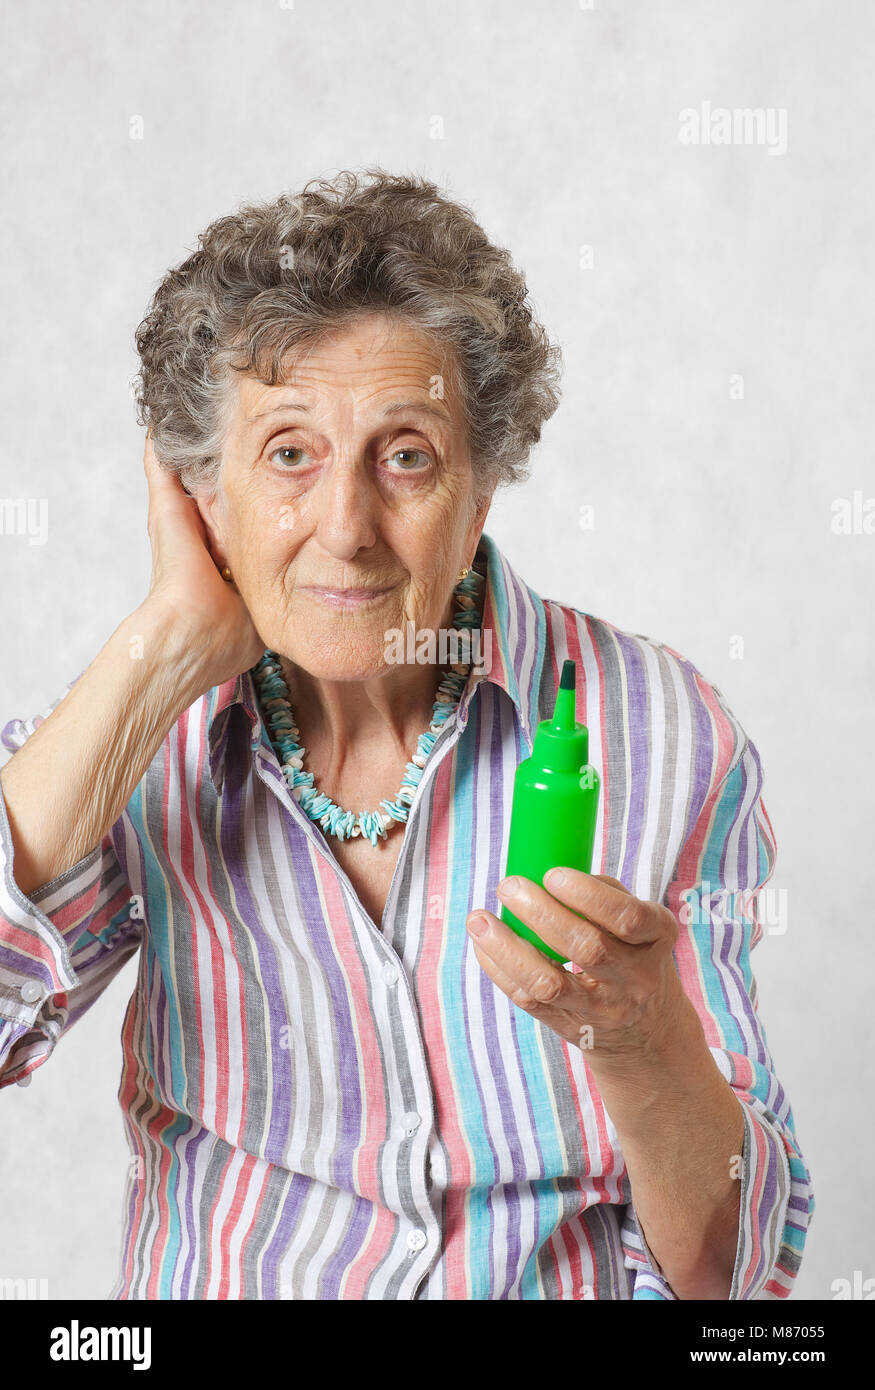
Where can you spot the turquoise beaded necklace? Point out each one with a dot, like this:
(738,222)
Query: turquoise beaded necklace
(273,693)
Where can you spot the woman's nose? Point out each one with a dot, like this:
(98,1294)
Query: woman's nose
(345,505)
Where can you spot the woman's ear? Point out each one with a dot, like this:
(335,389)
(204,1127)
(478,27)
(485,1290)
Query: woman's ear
(212,515)
(484,502)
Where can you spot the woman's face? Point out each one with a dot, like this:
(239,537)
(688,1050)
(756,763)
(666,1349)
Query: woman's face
(354,475)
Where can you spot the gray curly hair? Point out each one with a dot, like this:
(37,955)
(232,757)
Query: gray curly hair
(274,277)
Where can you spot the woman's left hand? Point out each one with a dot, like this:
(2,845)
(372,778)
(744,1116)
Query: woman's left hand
(627,998)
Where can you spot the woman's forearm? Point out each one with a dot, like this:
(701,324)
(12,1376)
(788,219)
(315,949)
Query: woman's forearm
(71,780)
(681,1130)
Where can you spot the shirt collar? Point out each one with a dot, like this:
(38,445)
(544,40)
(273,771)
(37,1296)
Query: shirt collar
(514,630)
(513,642)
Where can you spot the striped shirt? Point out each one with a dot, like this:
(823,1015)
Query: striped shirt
(319,1106)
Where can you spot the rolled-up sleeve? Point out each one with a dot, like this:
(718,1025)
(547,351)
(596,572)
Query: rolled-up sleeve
(716,895)
(59,947)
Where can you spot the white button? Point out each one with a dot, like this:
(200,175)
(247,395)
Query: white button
(410,1122)
(416,1240)
(31,991)
(25,1080)
(390,974)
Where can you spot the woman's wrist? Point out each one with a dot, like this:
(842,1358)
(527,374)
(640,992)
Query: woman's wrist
(173,656)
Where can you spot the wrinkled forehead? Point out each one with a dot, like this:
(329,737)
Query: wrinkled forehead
(357,366)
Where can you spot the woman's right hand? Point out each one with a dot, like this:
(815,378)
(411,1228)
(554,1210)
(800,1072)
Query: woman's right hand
(187,587)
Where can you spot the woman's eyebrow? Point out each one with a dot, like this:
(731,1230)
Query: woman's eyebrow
(275,409)
(423,407)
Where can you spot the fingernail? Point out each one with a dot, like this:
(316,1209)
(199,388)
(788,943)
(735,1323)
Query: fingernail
(554,878)
(508,886)
(477,925)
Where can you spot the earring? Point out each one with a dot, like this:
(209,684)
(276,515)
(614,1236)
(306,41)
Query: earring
(463,574)
(226,574)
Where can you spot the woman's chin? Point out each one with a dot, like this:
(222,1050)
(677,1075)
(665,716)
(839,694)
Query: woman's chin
(337,665)
(348,649)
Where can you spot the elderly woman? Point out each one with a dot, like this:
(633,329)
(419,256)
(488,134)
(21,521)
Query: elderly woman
(344,1077)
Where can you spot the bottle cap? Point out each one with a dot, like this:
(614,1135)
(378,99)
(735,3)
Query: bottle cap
(562,743)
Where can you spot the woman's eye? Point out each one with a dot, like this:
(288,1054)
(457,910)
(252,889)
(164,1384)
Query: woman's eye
(287,449)
(408,454)
(289,458)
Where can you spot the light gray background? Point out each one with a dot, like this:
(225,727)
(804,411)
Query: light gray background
(712,514)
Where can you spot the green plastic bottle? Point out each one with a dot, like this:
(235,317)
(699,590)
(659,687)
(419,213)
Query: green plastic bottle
(555,803)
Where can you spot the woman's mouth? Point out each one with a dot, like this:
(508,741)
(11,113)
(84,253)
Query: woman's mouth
(344,598)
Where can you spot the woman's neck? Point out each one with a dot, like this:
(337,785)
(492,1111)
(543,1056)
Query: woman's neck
(381,712)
